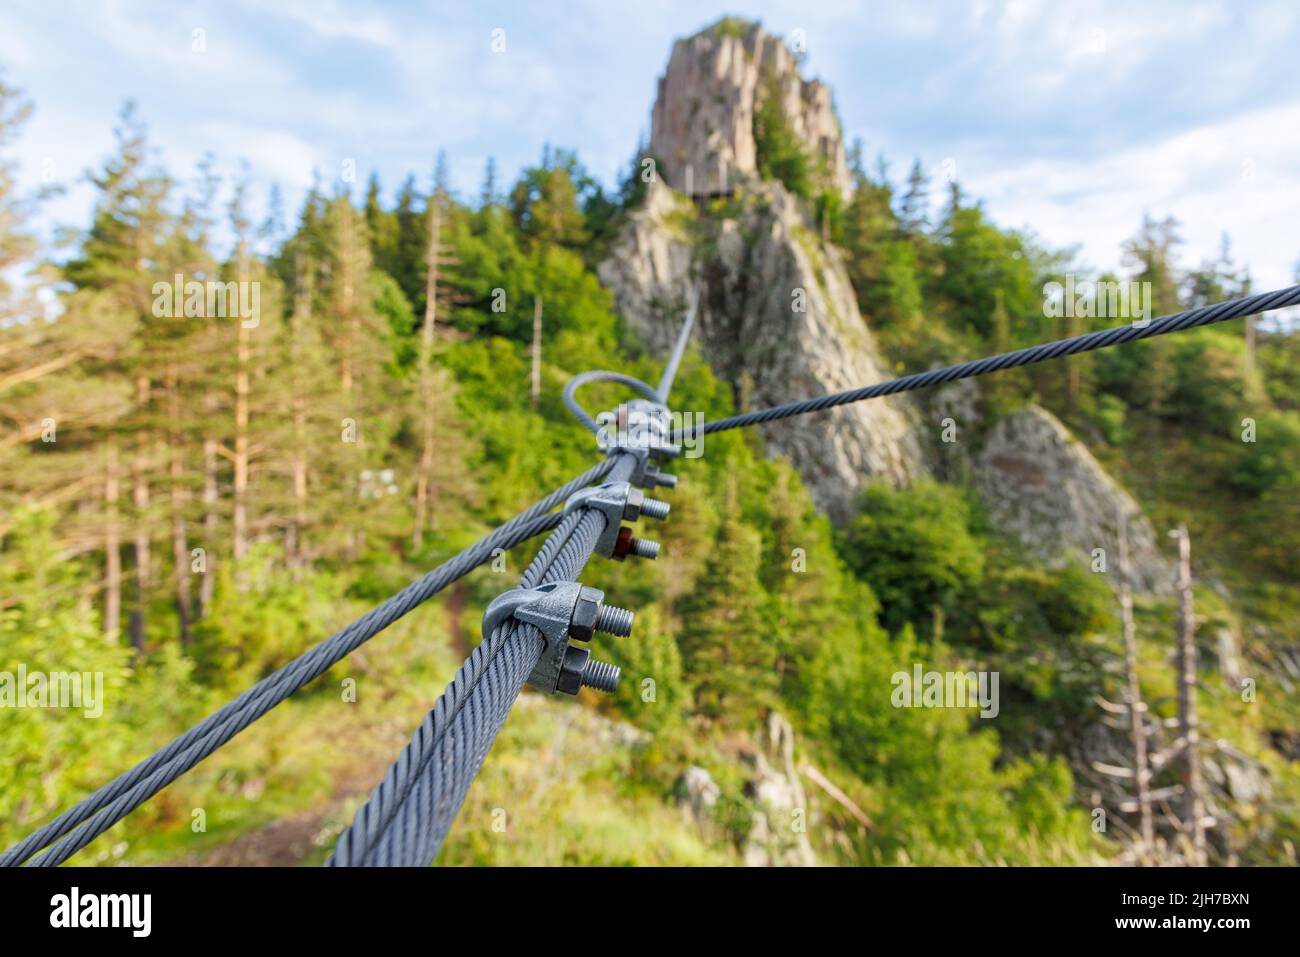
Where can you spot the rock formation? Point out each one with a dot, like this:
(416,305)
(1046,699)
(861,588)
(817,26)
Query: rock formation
(779,319)
(702,127)
(1043,486)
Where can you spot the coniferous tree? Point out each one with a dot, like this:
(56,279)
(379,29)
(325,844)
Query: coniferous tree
(1151,257)
(914,210)
(727,649)
(122,258)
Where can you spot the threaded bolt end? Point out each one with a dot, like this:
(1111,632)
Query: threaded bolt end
(645,548)
(601,676)
(666,479)
(614,621)
(655,508)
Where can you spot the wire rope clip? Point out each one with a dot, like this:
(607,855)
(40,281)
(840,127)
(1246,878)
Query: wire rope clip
(561,611)
(619,502)
(642,428)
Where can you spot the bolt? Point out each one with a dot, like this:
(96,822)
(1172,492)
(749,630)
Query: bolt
(572,668)
(586,613)
(601,676)
(666,479)
(645,548)
(628,544)
(614,621)
(655,508)
(635,501)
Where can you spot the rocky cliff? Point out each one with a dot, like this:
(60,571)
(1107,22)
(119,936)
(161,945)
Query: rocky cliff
(1043,486)
(702,126)
(779,319)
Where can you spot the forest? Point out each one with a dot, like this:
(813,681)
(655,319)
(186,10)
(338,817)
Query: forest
(191,494)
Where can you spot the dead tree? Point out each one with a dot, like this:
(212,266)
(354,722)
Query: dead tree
(1193,810)
(537,351)
(1133,701)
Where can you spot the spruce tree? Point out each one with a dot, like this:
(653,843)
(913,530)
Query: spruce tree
(728,649)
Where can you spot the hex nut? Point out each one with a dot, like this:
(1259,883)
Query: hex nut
(571,669)
(623,545)
(585,613)
(632,508)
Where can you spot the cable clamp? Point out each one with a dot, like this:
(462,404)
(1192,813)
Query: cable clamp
(619,502)
(560,611)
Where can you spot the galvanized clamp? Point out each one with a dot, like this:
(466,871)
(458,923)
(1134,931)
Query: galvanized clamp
(619,502)
(642,428)
(560,611)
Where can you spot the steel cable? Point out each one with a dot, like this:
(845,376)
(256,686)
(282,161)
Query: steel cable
(601,375)
(84,822)
(1101,339)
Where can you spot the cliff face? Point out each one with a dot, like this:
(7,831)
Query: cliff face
(702,126)
(1043,486)
(778,319)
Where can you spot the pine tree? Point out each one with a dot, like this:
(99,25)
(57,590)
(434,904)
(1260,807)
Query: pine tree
(914,211)
(1151,255)
(308,399)
(727,648)
(121,259)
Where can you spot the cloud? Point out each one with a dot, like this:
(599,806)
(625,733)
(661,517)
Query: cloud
(1240,177)
(1072,119)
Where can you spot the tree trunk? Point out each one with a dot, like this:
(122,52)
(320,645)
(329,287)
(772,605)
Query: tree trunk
(1250,353)
(304,289)
(143,553)
(239,487)
(350,321)
(112,545)
(208,584)
(1189,727)
(424,478)
(537,352)
(179,498)
(1133,698)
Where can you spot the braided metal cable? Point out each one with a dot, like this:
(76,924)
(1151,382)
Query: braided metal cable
(679,349)
(108,805)
(408,814)
(601,375)
(1177,322)
(365,840)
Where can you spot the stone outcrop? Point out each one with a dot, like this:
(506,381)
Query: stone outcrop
(702,127)
(777,318)
(1043,486)
(778,835)
(778,825)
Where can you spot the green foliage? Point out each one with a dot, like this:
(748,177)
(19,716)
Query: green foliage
(779,152)
(727,652)
(915,550)
(943,798)
(47,626)
(545,203)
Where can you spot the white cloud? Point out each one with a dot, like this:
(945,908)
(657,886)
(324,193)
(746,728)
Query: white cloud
(329,20)
(1241,177)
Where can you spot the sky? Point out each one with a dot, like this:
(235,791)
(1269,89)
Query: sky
(1071,119)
